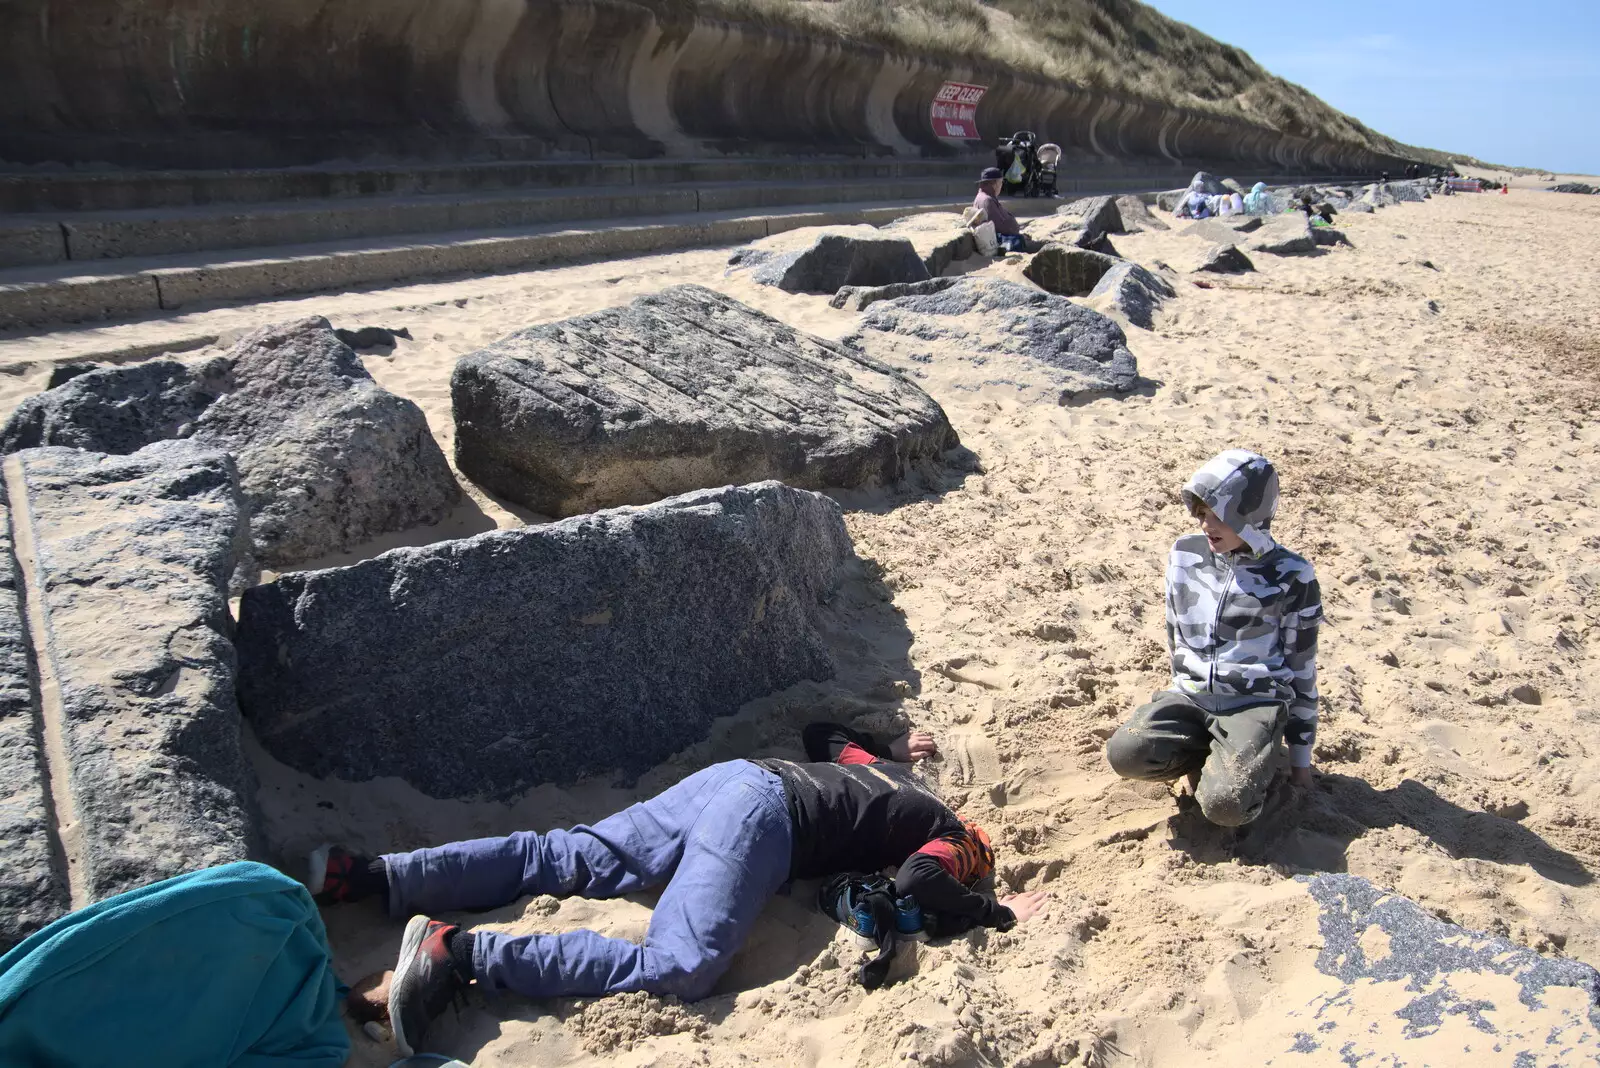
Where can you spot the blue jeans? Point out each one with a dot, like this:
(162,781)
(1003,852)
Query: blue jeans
(1012,242)
(719,842)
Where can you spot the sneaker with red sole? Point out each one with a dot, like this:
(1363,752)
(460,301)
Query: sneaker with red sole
(425,982)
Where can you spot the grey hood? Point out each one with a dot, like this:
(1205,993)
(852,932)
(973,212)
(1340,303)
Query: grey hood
(1242,488)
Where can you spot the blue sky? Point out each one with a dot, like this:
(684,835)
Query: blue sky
(1511,81)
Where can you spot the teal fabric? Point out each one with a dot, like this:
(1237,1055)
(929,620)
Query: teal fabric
(227,966)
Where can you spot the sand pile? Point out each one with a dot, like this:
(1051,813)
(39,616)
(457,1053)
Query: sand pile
(1429,396)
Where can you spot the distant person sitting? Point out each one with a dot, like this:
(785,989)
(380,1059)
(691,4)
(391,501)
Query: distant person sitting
(989,209)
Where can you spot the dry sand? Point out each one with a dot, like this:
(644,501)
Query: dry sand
(1430,398)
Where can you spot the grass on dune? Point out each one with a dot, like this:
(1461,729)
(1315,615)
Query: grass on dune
(1120,46)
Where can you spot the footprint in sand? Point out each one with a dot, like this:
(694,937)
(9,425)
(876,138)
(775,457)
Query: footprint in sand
(975,759)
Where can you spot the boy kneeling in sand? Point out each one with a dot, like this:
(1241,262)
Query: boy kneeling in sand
(719,844)
(1242,615)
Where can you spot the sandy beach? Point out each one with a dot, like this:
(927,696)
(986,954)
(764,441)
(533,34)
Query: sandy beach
(1429,395)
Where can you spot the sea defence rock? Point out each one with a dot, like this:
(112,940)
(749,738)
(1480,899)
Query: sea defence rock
(940,238)
(1009,330)
(1133,292)
(1095,214)
(1226,259)
(1136,215)
(859,298)
(599,643)
(821,260)
(1358,207)
(1327,235)
(126,561)
(1066,270)
(1284,235)
(327,458)
(1575,187)
(33,884)
(682,389)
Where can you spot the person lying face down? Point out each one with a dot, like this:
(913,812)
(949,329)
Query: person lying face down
(720,844)
(1242,618)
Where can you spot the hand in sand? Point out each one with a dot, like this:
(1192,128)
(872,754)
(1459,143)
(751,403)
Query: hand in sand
(1300,777)
(1028,905)
(918,745)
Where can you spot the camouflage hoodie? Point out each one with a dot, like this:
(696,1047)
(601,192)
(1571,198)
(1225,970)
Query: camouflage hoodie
(1244,624)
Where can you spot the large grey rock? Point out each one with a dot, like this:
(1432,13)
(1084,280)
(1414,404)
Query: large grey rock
(127,561)
(1575,187)
(1284,235)
(1066,270)
(680,390)
(1327,235)
(1095,214)
(1013,332)
(1136,215)
(1133,292)
(1226,259)
(822,260)
(940,238)
(859,298)
(1378,195)
(33,887)
(1211,185)
(327,458)
(1224,228)
(603,642)
(1358,207)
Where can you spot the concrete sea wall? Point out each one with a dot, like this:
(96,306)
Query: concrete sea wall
(267,83)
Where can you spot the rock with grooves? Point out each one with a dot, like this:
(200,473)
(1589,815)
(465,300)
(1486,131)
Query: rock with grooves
(1130,290)
(327,458)
(33,889)
(1011,331)
(1226,259)
(859,298)
(682,389)
(820,261)
(940,238)
(128,558)
(1066,270)
(603,642)
(1285,235)
(1137,216)
(1095,214)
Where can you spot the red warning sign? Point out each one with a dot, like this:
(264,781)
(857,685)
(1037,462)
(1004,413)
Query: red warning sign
(955,110)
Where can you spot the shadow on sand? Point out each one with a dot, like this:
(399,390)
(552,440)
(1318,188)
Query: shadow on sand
(1312,830)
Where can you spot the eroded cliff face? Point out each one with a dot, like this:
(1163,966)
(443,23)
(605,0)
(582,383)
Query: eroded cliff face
(201,83)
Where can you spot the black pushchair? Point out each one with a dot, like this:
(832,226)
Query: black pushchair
(1027,168)
(1018,160)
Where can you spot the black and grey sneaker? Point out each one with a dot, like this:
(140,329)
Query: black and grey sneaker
(425,981)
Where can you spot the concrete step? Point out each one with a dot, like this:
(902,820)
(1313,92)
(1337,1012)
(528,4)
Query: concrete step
(56,236)
(117,289)
(88,236)
(38,191)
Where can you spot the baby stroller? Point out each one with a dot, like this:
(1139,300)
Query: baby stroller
(1017,159)
(1044,177)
